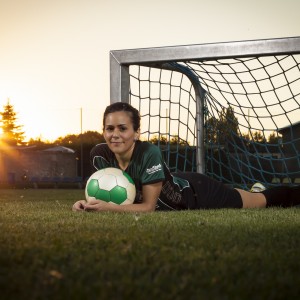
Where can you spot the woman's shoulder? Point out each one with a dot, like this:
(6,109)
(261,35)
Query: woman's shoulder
(147,146)
(100,149)
(101,146)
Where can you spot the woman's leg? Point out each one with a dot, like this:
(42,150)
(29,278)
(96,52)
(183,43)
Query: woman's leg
(284,196)
(252,200)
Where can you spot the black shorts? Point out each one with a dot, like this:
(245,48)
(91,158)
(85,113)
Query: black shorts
(208,193)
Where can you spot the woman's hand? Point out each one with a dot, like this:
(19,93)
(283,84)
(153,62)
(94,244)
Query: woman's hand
(96,205)
(79,205)
(91,205)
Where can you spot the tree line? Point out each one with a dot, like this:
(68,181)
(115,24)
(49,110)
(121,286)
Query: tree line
(218,131)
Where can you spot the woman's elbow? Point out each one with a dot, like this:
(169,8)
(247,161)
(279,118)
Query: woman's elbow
(148,207)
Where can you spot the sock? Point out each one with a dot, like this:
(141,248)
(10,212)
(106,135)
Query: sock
(284,196)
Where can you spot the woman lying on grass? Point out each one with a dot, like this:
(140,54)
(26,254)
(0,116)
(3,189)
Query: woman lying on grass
(157,188)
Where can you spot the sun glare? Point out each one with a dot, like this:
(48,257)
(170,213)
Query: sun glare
(47,124)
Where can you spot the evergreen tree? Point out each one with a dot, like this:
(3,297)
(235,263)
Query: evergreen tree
(12,133)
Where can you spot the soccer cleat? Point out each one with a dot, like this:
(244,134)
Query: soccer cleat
(257,188)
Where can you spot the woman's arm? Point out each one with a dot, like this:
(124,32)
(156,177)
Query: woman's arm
(150,195)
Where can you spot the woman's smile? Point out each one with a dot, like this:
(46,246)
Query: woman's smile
(115,143)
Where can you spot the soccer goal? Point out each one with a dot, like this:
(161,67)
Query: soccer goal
(229,110)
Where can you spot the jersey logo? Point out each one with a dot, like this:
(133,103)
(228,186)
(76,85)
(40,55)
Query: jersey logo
(154,169)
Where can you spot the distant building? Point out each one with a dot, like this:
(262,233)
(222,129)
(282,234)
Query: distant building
(291,133)
(20,164)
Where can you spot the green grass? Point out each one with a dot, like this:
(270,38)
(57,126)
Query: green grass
(49,252)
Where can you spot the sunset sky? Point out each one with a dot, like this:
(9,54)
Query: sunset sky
(55,53)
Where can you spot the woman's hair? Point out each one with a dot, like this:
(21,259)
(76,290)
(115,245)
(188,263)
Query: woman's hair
(122,106)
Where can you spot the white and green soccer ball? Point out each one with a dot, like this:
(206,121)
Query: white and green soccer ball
(111,185)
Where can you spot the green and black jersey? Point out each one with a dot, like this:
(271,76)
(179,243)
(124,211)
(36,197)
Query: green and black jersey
(147,166)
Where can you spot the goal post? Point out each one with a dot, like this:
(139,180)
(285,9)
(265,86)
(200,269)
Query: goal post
(230,110)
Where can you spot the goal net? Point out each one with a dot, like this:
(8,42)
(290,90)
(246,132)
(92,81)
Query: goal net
(233,115)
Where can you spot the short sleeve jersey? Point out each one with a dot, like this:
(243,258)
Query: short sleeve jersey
(146,166)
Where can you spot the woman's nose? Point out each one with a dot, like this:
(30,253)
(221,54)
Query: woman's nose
(115,134)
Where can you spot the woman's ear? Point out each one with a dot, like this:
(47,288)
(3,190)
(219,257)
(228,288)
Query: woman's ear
(137,135)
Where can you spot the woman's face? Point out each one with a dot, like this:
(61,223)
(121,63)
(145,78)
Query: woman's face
(119,133)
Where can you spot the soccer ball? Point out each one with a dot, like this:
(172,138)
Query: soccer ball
(111,185)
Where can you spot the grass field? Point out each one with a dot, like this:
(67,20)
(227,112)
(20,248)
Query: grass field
(49,252)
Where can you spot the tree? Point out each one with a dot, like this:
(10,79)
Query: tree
(223,129)
(12,133)
(274,138)
(258,137)
(228,125)
(74,141)
(176,140)
(162,140)
(39,144)
(211,126)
